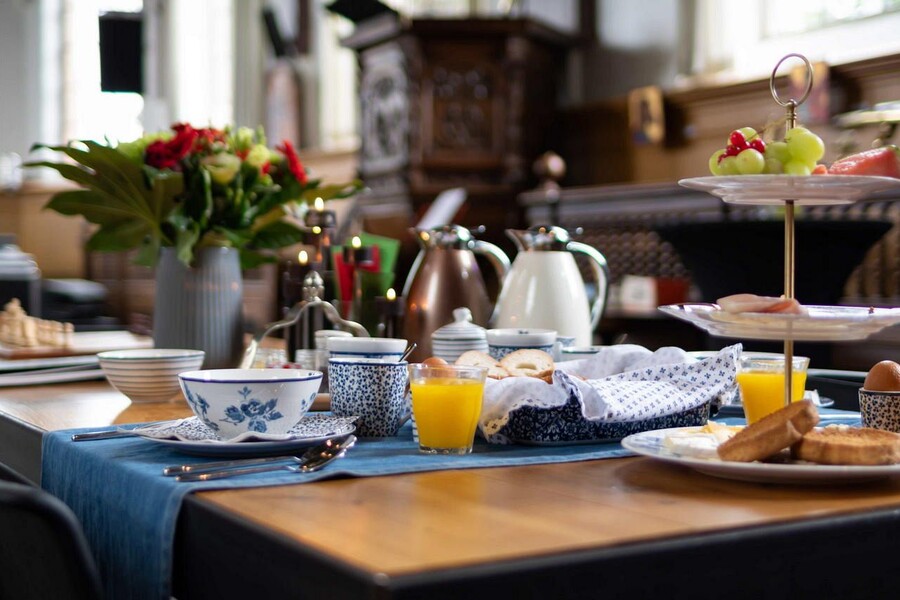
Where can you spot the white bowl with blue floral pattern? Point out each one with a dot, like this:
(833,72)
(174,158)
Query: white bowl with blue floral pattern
(232,402)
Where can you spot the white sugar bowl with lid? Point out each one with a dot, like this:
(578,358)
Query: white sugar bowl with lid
(462,335)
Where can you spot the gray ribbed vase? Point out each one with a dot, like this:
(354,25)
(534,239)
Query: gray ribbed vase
(200,307)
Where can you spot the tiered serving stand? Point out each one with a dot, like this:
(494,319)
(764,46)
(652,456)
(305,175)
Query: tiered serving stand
(822,323)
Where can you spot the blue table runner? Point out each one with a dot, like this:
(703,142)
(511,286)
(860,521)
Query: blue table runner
(128,509)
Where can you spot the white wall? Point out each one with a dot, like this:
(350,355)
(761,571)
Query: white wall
(14,86)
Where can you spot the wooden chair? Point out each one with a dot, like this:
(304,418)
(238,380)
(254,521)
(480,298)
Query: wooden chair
(43,553)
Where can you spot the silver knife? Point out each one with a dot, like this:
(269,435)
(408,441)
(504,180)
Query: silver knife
(312,460)
(117,433)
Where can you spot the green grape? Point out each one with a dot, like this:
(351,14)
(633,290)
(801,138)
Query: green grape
(714,166)
(773,166)
(778,151)
(750,162)
(796,167)
(749,133)
(804,145)
(728,166)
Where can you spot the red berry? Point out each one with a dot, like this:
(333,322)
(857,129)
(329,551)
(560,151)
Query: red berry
(737,139)
(731,150)
(758,145)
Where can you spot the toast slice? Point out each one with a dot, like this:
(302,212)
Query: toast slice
(772,433)
(849,446)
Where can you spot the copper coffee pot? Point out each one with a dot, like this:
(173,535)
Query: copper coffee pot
(445,276)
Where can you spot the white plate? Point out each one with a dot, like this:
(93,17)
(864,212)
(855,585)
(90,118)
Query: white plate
(650,443)
(191,436)
(804,190)
(823,323)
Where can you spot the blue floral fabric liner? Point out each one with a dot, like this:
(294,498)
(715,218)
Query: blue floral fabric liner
(129,509)
(618,391)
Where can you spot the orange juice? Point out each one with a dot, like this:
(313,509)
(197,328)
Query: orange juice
(762,392)
(446,410)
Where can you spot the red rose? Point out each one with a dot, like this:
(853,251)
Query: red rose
(294,164)
(184,139)
(158,155)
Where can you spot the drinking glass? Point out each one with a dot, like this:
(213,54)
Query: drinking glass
(446,404)
(761,381)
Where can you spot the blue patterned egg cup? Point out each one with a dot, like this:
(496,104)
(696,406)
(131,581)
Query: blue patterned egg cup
(232,402)
(373,390)
(880,410)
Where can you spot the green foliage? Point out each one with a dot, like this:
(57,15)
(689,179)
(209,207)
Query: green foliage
(211,198)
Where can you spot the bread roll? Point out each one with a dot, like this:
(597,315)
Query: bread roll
(476,358)
(772,433)
(527,362)
(849,446)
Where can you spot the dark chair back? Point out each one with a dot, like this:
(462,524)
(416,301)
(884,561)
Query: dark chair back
(43,553)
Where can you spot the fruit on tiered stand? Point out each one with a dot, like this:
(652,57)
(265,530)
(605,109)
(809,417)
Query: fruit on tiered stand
(746,153)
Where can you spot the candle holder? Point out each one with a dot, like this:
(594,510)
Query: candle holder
(312,291)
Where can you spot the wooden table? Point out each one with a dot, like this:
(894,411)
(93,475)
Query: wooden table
(602,528)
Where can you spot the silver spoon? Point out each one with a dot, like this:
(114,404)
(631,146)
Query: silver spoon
(312,460)
(409,351)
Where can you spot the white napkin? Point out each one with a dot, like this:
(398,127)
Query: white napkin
(621,383)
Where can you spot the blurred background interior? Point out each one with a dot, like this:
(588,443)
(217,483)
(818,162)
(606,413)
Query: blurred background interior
(577,113)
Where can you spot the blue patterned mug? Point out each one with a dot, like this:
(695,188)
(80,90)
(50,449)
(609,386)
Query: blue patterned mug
(373,390)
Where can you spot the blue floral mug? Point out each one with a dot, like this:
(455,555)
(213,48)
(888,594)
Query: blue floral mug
(373,390)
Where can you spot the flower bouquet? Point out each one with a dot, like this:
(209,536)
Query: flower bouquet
(189,188)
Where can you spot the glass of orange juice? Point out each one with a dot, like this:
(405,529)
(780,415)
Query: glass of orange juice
(446,404)
(761,381)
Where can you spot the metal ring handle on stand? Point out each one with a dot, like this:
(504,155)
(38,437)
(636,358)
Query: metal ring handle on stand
(789,252)
(809,81)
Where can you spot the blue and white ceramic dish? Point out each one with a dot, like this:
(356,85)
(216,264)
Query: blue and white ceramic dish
(372,347)
(504,341)
(233,402)
(192,436)
(880,410)
(372,389)
(566,425)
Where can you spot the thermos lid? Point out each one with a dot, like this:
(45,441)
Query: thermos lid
(462,328)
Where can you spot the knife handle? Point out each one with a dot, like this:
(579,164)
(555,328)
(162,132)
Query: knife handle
(224,464)
(223,473)
(100,435)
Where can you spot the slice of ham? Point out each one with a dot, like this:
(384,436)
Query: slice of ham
(744,303)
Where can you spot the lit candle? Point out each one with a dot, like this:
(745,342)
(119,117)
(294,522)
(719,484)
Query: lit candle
(320,224)
(390,313)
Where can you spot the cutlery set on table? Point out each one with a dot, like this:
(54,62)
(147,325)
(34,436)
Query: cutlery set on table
(312,459)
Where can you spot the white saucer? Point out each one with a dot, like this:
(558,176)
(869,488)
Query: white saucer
(191,436)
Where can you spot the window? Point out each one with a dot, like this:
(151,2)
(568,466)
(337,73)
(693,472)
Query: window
(744,40)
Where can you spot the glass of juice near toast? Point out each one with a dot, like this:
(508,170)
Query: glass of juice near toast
(761,382)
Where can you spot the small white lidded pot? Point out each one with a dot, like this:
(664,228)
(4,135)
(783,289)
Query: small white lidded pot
(451,340)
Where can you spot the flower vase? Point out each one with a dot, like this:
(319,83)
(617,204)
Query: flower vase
(200,307)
